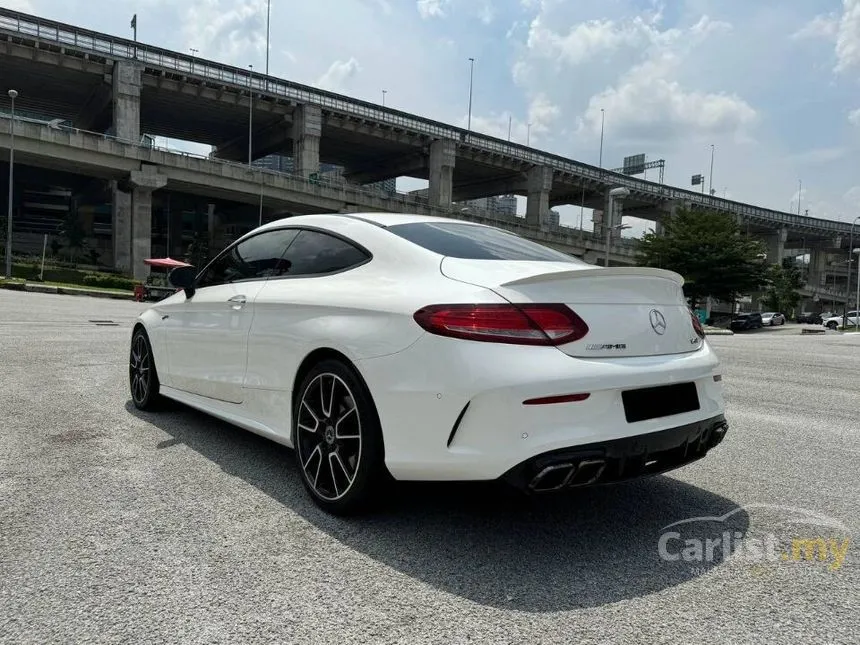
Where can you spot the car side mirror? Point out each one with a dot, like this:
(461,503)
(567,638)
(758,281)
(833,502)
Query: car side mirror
(183,278)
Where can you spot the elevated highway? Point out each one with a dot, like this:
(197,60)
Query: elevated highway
(106,83)
(138,170)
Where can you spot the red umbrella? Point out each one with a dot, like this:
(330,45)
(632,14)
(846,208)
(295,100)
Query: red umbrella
(165,263)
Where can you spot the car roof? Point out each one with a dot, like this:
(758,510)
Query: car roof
(379,219)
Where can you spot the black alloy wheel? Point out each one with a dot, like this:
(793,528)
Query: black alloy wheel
(142,375)
(337,438)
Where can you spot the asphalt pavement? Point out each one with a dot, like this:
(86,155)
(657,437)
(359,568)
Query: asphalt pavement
(123,527)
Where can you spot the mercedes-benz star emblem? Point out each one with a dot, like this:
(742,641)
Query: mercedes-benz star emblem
(658,322)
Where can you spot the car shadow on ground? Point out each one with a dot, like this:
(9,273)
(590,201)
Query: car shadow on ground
(484,542)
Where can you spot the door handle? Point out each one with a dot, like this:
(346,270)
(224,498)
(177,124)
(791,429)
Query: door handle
(237,302)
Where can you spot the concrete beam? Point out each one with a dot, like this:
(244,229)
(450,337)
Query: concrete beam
(443,156)
(126,100)
(94,114)
(539,186)
(272,138)
(380,169)
(516,183)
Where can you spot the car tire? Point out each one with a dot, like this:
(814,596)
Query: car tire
(337,438)
(142,374)
(832,325)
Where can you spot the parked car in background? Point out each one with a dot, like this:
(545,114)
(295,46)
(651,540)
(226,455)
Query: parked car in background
(772,318)
(806,318)
(836,321)
(742,322)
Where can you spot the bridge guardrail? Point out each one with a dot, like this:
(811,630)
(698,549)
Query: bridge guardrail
(405,201)
(25,24)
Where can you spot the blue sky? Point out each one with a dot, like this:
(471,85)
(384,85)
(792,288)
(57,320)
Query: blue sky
(771,84)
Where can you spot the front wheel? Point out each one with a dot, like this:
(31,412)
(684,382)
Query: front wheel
(831,325)
(338,439)
(142,375)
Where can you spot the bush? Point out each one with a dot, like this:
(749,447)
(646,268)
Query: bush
(108,281)
(70,276)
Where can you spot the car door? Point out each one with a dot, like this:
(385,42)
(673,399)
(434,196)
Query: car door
(207,334)
(298,312)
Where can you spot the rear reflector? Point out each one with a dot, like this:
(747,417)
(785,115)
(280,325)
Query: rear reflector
(697,325)
(525,324)
(563,398)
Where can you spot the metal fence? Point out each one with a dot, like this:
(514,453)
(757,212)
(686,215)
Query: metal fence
(15,22)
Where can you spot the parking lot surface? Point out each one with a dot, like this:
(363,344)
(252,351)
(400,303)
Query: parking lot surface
(118,526)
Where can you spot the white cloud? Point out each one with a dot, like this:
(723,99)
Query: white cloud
(819,27)
(338,74)
(542,114)
(854,117)
(647,102)
(843,30)
(226,29)
(432,8)
(852,196)
(848,37)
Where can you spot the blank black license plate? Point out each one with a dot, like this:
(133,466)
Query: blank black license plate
(663,401)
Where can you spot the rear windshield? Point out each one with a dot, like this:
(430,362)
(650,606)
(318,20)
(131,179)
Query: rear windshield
(472,242)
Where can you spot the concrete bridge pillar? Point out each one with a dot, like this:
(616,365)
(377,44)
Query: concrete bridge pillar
(539,182)
(126,100)
(307,130)
(776,245)
(443,156)
(817,268)
(132,220)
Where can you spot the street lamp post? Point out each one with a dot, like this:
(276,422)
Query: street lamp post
(857,296)
(268,16)
(602,121)
(711,175)
(250,114)
(510,123)
(850,260)
(471,79)
(528,134)
(616,193)
(13,94)
(384,92)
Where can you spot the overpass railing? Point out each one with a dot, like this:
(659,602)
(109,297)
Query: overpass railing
(349,192)
(91,41)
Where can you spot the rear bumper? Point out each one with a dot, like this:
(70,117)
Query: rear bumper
(454,410)
(607,462)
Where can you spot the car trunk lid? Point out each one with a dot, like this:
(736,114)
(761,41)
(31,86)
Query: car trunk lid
(630,311)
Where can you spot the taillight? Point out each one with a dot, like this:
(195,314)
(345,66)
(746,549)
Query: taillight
(700,331)
(526,324)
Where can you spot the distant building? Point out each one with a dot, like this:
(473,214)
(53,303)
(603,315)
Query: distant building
(283,163)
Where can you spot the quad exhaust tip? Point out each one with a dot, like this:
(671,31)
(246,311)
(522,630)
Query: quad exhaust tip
(567,475)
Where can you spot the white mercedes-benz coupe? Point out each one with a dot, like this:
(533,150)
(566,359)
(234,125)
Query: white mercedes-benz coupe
(386,346)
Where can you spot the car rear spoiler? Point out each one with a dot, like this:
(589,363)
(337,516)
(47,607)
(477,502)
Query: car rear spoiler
(599,272)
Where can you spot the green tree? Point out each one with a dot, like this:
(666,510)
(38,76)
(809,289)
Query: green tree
(73,232)
(711,251)
(784,283)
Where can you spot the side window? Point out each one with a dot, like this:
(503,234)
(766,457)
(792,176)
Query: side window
(314,253)
(258,257)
